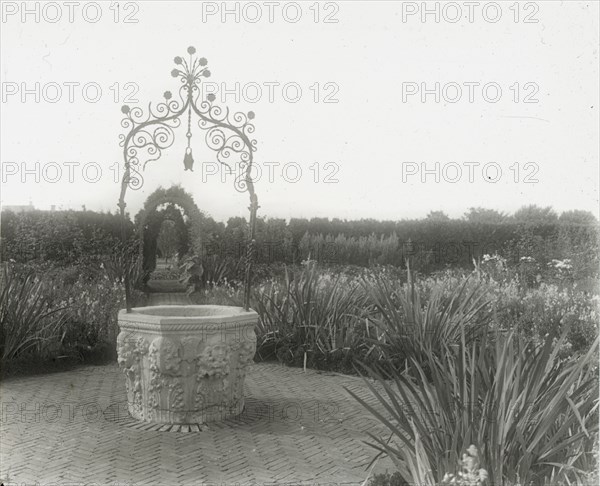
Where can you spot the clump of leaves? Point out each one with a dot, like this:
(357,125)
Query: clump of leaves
(124,262)
(310,313)
(192,273)
(412,325)
(532,415)
(387,479)
(27,320)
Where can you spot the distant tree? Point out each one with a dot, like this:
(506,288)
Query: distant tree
(168,239)
(297,228)
(437,216)
(482,215)
(578,216)
(274,231)
(535,214)
(235,223)
(319,226)
(235,237)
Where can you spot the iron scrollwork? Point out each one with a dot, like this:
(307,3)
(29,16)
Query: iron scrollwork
(228,134)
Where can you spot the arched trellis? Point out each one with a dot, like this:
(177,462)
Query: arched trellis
(228,134)
(177,196)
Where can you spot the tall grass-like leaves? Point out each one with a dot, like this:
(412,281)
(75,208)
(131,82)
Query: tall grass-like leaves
(412,327)
(533,416)
(203,272)
(26,320)
(273,327)
(323,311)
(123,262)
(311,311)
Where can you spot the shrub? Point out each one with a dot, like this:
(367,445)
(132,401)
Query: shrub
(311,313)
(28,321)
(218,269)
(199,273)
(387,479)
(412,327)
(51,312)
(192,274)
(124,261)
(92,318)
(64,237)
(532,415)
(535,312)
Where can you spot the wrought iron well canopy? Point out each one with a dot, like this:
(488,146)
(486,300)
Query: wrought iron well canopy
(227,133)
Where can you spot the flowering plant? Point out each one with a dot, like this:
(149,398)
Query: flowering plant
(470,474)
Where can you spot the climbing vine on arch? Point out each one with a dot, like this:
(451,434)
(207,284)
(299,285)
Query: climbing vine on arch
(195,233)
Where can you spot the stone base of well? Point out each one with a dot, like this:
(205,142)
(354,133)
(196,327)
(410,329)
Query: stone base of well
(185,364)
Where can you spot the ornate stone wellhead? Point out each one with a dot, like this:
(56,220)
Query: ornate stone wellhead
(227,133)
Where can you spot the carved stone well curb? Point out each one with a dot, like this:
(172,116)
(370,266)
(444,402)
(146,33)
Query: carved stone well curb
(185,364)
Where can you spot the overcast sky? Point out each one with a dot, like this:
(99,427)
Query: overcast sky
(359,155)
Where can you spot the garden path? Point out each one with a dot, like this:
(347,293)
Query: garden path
(300,428)
(166,292)
(168,298)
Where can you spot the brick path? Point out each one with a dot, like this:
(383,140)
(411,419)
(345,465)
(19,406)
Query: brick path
(167,298)
(167,292)
(300,428)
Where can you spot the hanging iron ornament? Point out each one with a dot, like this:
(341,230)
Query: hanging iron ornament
(227,134)
(188,160)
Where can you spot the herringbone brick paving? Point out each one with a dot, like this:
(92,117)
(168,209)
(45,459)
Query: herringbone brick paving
(168,298)
(297,428)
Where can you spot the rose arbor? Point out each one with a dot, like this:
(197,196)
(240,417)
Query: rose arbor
(187,364)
